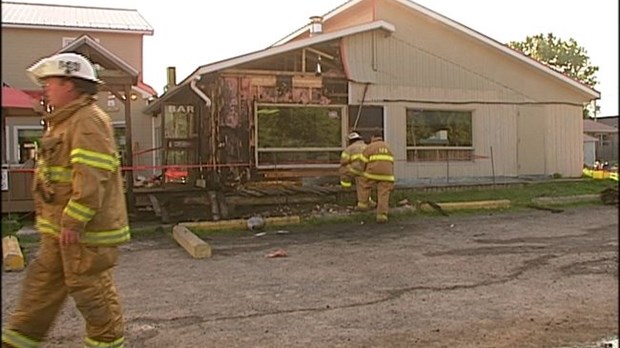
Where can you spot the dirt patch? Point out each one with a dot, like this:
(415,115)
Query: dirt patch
(525,279)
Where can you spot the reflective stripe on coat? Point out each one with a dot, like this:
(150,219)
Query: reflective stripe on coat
(379,161)
(79,164)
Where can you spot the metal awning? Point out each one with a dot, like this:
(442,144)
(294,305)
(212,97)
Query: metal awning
(17,99)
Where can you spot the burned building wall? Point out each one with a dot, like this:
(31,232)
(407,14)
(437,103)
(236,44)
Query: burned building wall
(234,97)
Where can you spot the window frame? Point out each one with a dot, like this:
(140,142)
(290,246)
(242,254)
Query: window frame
(469,149)
(257,150)
(16,145)
(367,111)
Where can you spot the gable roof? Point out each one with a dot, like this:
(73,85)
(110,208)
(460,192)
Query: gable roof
(608,120)
(100,55)
(462,28)
(146,90)
(42,16)
(229,63)
(591,126)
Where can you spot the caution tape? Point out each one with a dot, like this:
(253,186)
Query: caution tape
(164,167)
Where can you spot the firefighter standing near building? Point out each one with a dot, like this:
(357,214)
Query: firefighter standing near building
(352,168)
(379,172)
(80,212)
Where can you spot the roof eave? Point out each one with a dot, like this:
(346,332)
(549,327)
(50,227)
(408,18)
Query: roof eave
(376,25)
(326,17)
(153,108)
(594,94)
(74,28)
(591,92)
(86,40)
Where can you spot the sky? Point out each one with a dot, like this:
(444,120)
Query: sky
(193,33)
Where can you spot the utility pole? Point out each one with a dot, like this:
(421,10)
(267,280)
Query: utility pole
(596,109)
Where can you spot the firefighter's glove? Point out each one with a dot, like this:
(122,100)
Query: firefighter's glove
(68,237)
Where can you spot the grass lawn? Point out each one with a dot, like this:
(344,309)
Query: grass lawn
(519,195)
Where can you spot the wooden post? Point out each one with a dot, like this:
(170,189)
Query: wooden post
(131,202)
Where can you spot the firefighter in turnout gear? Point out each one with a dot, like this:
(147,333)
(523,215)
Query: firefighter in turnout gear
(80,212)
(379,172)
(352,168)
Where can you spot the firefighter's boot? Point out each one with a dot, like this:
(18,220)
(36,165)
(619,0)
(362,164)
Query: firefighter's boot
(382,218)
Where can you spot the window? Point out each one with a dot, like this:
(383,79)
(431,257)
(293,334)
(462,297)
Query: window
(120,139)
(605,140)
(439,135)
(27,142)
(180,141)
(298,135)
(367,122)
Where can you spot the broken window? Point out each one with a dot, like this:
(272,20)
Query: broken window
(298,135)
(180,141)
(366,122)
(439,135)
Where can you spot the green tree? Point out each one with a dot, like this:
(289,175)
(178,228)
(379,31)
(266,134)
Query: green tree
(566,57)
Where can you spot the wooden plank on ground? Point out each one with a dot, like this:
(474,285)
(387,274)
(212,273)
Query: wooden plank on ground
(567,199)
(241,223)
(12,257)
(196,247)
(155,204)
(284,199)
(496,204)
(250,192)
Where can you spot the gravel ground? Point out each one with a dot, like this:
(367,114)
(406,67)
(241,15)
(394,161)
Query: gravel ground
(518,279)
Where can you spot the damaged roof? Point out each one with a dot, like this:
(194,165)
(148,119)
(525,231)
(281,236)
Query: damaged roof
(460,27)
(296,40)
(271,51)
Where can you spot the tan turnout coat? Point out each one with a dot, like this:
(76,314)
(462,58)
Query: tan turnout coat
(78,183)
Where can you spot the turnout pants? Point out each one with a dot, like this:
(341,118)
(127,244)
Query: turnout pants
(384,188)
(359,190)
(82,272)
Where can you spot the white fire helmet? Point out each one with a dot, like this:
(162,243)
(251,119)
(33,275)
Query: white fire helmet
(63,64)
(354,136)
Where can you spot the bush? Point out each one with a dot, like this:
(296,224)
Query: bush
(10,225)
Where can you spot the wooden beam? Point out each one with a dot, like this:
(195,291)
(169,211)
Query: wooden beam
(283,199)
(317,52)
(131,202)
(196,247)
(237,72)
(496,204)
(12,257)
(241,223)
